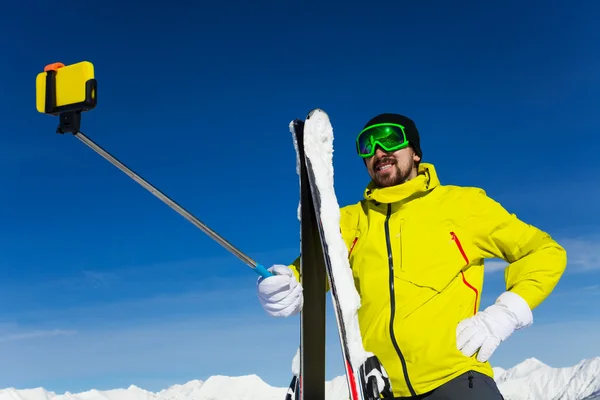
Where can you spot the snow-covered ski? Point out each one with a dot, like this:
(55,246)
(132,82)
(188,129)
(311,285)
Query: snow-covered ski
(309,363)
(313,140)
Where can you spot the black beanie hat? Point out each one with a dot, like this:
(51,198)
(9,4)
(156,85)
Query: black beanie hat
(412,134)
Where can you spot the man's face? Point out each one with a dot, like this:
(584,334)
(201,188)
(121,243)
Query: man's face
(392,168)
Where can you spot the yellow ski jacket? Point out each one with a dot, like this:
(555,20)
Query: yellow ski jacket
(416,251)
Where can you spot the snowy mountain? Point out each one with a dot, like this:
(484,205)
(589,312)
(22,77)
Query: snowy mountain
(533,379)
(530,380)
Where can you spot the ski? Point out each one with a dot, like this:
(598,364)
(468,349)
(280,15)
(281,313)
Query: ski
(323,249)
(310,383)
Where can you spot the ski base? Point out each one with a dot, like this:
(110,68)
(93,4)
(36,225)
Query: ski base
(311,382)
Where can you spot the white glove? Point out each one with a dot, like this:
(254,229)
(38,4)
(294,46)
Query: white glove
(375,374)
(280,295)
(488,328)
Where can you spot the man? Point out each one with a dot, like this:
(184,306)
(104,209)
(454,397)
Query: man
(416,249)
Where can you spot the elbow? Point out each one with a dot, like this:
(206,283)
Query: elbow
(551,264)
(555,266)
(563,258)
(556,261)
(560,259)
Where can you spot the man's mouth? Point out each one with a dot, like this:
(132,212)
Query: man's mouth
(383,165)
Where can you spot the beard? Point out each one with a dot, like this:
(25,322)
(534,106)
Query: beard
(394,175)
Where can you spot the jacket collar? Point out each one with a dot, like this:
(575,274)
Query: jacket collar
(426,180)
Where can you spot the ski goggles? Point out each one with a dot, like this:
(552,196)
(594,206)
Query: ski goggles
(390,137)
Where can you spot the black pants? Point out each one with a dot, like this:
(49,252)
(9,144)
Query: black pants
(469,386)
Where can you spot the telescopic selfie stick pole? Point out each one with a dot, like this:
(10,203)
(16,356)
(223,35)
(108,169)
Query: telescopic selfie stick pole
(69,115)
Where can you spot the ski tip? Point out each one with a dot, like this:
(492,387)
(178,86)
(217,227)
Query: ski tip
(296,125)
(315,111)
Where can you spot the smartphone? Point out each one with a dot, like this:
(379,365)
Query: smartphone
(68,88)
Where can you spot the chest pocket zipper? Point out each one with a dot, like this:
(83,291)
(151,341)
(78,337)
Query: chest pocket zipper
(464,279)
(352,246)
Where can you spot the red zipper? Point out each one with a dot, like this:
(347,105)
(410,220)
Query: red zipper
(462,251)
(352,246)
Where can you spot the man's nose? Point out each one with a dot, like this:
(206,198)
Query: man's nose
(379,152)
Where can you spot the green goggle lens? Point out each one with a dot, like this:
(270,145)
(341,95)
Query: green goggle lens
(390,137)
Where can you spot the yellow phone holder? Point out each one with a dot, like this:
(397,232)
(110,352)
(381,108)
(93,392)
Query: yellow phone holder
(66,92)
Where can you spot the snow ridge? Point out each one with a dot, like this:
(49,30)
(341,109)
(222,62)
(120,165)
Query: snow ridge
(531,380)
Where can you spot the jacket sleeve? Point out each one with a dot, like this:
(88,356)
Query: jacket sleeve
(536,261)
(348,227)
(295,267)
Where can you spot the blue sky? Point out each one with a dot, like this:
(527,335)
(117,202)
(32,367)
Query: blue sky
(103,286)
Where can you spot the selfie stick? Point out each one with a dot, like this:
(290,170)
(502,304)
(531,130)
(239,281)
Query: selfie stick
(70,122)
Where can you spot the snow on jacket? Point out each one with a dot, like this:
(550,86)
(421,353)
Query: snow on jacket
(416,251)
